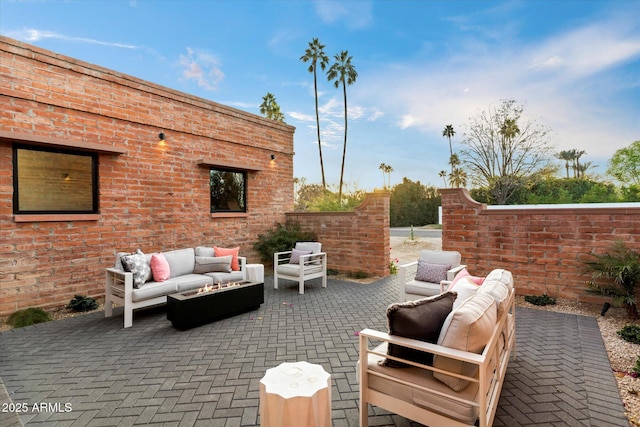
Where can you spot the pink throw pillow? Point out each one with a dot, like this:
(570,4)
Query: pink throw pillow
(159,268)
(234,252)
(462,274)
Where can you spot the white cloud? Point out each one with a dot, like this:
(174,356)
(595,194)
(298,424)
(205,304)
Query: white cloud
(34,35)
(202,67)
(355,14)
(301,116)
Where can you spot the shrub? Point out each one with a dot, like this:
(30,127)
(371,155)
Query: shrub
(81,304)
(540,300)
(636,368)
(281,238)
(332,272)
(615,274)
(27,317)
(357,275)
(630,333)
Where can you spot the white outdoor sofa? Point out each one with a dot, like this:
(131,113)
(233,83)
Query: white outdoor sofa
(461,387)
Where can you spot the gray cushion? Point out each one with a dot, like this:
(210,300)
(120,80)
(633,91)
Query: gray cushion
(421,320)
(234,276)
(430,272)
(139,265)
(154,289)
(204,251)
(205,264)
(294,270)
(192,281)
(181,261)
(416,287)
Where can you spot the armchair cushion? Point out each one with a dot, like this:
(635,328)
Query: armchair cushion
(421,319)
(432,273)
(294,270)
(296,254)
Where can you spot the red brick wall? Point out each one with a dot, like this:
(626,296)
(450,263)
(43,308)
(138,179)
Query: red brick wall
(542,247)
(354,241)
(152,197)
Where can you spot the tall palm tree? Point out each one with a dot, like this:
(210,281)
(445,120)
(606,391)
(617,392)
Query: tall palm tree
(579,153)
(458,178)
(448,132)
(342,72)
(270,108)
(315,54)
(386,169)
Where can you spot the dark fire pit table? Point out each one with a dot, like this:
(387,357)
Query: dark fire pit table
(192,308)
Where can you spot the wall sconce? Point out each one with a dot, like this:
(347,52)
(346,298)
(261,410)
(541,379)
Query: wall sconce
(273,157)
(67,177)
(161,136)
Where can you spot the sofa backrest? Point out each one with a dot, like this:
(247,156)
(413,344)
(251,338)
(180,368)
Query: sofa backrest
(314,247)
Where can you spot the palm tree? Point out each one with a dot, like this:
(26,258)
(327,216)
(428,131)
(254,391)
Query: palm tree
(458,178)
(567,156)
(342,72)
(315,53)
(270,108)
(448,132)
(579,153)
(386,169)
(443,175)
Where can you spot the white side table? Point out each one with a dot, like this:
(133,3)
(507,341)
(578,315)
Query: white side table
(255,272)
(295,395)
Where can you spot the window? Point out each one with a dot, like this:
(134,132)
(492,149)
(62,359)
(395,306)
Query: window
(228,190)
(50,181)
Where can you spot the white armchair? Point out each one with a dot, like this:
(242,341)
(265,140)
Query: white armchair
(428,282)
(305,262)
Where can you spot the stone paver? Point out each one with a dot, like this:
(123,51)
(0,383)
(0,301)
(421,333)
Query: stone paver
(89,371)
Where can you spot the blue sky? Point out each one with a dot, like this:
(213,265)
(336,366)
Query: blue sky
(574,65)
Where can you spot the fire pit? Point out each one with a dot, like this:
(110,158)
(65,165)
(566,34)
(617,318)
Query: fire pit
(213,302)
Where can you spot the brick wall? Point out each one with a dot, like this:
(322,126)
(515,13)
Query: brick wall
(354,241)
(541,246)
(152,196)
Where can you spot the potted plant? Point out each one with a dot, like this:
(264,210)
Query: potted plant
(615,274)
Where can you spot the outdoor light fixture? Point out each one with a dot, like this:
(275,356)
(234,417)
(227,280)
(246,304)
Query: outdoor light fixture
(161,136)
(273,157)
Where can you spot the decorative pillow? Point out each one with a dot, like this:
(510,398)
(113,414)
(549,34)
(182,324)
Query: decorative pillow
(138,265)
(432,273)
(160,267)
(234,252)
(462,274)
(467,328)
(205,264)
(499,291)
(296,254)
(420,319)
(465,289)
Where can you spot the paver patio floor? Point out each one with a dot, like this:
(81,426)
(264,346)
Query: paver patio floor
(208,376)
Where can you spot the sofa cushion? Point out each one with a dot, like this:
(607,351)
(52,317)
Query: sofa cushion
(139,265)
(160,268)
(181,261)
(432,273)
(498,291)
(205,251)
(154,289)
(205,264)
(502,276)
(296,254)
(416,287)
(234,252)
(422,320)
(234,276)
(465,289)
(467,328)
(399,383)
(189,282)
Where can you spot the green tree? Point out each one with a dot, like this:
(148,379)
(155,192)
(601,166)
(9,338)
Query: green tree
(448,132)
(270,108)
(625,164)
(342,72)
(412,203)
(315,54)
(502,149)
(443,174)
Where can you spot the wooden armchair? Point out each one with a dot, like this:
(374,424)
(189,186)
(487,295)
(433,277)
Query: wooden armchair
(304,262)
